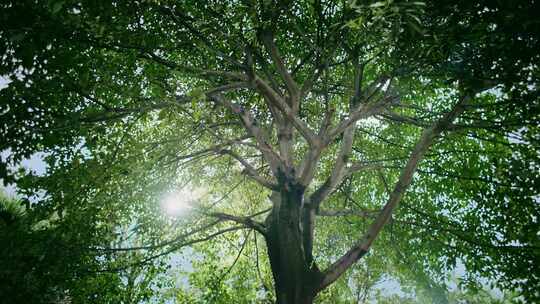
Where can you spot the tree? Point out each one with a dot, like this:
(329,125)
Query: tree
(40,262)
(326,115)
(29,273)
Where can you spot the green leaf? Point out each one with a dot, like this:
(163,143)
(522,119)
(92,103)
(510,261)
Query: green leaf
(57,6)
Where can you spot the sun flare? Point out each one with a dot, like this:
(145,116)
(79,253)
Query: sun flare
(179,202)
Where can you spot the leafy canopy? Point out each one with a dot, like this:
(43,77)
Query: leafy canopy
(131,100)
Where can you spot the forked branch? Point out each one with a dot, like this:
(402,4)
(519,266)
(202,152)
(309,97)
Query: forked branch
(272,49)
(278,102)
(251,126)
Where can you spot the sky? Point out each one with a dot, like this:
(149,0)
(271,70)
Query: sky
(35,163)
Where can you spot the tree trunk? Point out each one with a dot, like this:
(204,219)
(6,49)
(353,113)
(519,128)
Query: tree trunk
(296,277)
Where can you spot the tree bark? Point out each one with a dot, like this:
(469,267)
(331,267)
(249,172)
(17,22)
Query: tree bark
(295,275)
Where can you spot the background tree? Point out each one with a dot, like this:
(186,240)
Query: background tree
(324,116)
(42,262)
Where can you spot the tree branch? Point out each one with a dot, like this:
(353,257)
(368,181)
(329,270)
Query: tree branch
(362,112)
(249,123)
(287,111)
(339,170)
(334,271)
(312,157)
(244,220)
(169,251)
(163,244)
(292,86)
(360,213)
(252,172)
(188,22)
(192,70)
